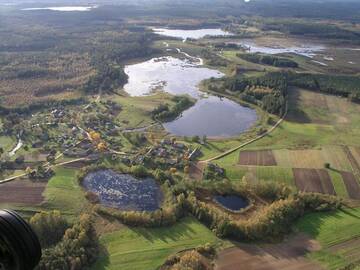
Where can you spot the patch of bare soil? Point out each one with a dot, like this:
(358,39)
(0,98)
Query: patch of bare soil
(197,170)
(22,191)
(104,225)
(313,180)
(257,158)
(76,165)
(288,255)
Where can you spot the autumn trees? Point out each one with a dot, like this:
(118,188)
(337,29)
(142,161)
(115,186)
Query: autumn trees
(77,250)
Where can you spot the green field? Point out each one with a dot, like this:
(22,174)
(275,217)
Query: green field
(313,134)
(63,193)
(147,249)
(332,230)
(136,111)
(6,143)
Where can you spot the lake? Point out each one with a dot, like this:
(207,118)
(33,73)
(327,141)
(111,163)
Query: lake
(123,191)
(193,34)
(170,74)
(211,116)
(232,202)
(64,8)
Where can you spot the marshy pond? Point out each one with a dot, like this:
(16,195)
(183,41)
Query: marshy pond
(300,48)
(123,191)
(232,202)
(211,116)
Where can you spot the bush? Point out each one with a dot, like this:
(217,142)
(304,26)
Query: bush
(139,171)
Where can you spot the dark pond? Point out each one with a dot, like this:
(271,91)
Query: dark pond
(232,202)
(124,191)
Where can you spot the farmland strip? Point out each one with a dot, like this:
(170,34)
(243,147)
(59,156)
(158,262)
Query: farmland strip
(308,180)
(355,166)
(327,185)
(257,158)
(352,185)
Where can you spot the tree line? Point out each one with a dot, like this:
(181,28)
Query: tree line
(165,112)
(273,101)
(268,60)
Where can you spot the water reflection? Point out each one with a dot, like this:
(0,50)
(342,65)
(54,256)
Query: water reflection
(212,116)
(193,34)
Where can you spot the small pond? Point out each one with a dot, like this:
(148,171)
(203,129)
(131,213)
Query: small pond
(232,202)
(124,191)
(193,34)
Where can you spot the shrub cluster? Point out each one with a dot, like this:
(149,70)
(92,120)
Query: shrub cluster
(194,259)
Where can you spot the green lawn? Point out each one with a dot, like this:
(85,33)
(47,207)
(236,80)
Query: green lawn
(338,183)
(63,193)
(331,229)
(136,111)
(6,143)
(147,249)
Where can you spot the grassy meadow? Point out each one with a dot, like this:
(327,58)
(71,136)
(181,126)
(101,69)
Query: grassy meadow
(338,234)
(147,249)
(63,193)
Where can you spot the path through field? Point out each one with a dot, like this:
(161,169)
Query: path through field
(288,255)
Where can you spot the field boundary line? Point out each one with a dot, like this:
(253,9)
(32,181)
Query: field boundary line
(251,141)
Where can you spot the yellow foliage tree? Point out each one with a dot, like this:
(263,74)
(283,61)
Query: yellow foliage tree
(95,136)
(28,170)
(101,146)
(173,170)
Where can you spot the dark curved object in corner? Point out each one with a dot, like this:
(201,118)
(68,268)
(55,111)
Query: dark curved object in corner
(19,246)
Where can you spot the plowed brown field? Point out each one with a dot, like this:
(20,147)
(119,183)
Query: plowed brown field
(22,191)
(313,180)
(352,185)
(257,158)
